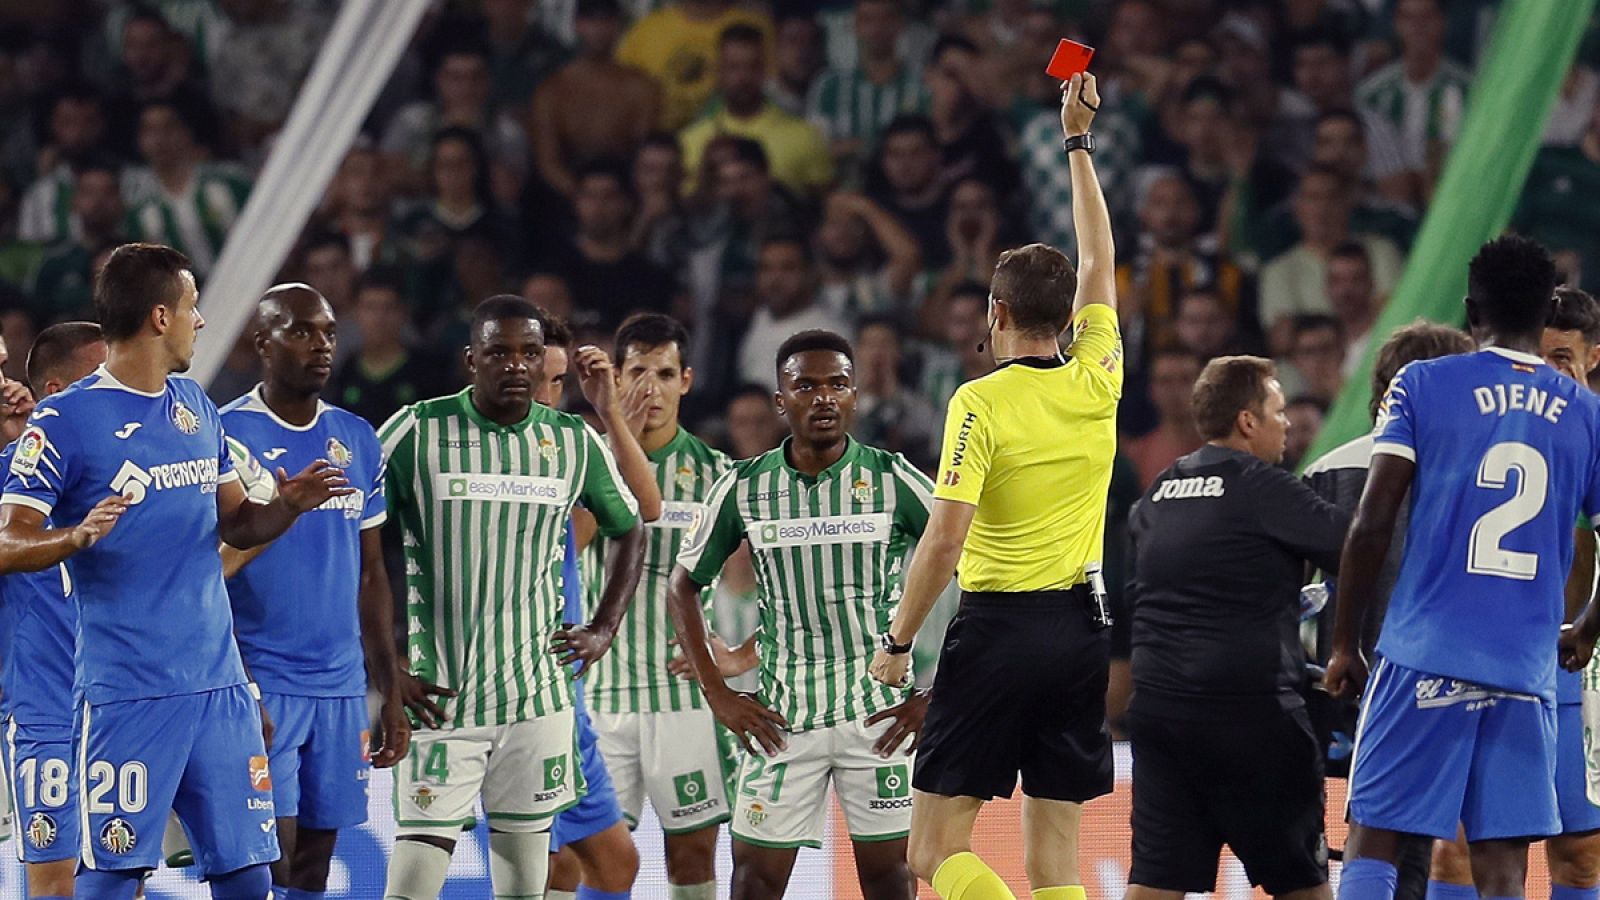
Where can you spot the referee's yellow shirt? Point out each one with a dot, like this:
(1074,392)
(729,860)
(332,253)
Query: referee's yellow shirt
(1031,446)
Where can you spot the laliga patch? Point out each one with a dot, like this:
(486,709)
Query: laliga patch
(30,449)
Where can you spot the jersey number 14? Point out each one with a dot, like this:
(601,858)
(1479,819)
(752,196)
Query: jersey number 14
(1485,556)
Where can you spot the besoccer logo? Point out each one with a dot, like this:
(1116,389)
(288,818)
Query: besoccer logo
(893,782)
(118,837)
(184,418)
(339,454)
(691,788)
(555,772)
(42,830)
(260,775)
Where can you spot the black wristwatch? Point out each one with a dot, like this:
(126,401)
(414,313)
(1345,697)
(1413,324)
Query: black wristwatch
(886,641)
(1084,142)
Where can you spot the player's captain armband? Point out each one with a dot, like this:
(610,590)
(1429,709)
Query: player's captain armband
(260,486)
(30,449)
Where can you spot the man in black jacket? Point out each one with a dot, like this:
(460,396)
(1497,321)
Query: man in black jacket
(1223,749)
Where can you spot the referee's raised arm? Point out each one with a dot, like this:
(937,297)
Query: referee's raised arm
(1020,506)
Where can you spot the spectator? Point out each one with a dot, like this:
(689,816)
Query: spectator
(549,292)
(797,154)
(268,49)
(1575,105)
(1323,72)
(971,142)
(1297,281)
(751,422)
(799,61)
(330,268)
(1423,94)
(155,66)
(889,414)
(64,286)
(1317,358)
(851,106)
(1173,256)
(786,294)
(868,262)
(522,54)
(1557,207)
(459,199)
(1354,300)
(17,329)
(661,228)
(387,374)
(77,128)
(241,371)
(593,107)
(1205,326)
(959,356)
(976,231)
(910,186)
(1220,160)
(1282,116)
(1172,378)
(678,46)
(190,204)
(609,279)
(1305,423)
(462,90)
(362,208)
(1339,143)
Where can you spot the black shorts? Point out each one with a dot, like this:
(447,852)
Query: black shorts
(1021,687)
(1255,786)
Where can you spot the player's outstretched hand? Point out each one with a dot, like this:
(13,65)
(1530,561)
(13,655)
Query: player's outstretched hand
(751,722)
(907,718)
(394,735)
(889,668)
(1347,674)
(596,377)
(313,486)
(731,661)
(99,522)
(414,693)
(1080,98)
(581,644)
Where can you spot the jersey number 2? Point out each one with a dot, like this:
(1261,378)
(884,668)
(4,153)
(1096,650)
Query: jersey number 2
(1485,556)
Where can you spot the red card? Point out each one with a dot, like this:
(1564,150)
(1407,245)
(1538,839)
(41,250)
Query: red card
(1071,58)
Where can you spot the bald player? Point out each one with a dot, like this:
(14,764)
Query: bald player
(312,611)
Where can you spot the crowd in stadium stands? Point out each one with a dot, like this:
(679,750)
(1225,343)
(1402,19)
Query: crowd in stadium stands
(756,170)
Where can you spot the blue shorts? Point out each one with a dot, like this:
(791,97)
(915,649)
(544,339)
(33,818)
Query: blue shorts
(1578,815)
(1432,751)
(44,792)
(597,809)
(319,758)
(199,755)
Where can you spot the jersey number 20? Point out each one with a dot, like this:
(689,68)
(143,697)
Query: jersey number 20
(1485,556)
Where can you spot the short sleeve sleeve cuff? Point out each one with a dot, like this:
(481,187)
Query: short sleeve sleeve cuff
(1389,448)
(43,507)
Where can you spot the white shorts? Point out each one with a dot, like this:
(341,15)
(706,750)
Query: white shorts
(526,773)
(671,757)
(783,799)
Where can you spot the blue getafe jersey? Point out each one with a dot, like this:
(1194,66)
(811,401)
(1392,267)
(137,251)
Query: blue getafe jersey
(152,610)
(38,633)
(295,606)
(1507,452)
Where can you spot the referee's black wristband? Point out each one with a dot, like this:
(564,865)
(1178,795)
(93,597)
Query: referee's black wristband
(886,641)
(1084,142)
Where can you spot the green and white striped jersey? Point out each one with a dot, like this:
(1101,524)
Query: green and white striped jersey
(1427,116)
(828,554)
(633,676)
(848,104)
(484,509)
(197,222)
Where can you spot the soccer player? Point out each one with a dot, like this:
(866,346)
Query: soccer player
(1021,505)
(828,521)
(312,611)
(1571,345)
(591,852)
(41,628)
(483,483)
(168,721)
(1498,452)
(658,738)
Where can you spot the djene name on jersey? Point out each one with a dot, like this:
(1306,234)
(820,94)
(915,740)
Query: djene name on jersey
(1503,398)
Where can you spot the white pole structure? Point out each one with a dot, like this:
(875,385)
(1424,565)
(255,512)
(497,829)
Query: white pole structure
(353,65)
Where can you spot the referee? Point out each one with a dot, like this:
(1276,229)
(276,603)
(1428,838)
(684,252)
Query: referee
(1020,502)
(1223,750)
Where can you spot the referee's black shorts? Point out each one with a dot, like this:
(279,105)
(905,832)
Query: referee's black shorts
(1254,785)
(1021,687)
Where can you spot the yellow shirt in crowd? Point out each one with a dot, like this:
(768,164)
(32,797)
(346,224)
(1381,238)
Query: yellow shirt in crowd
(681,53)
